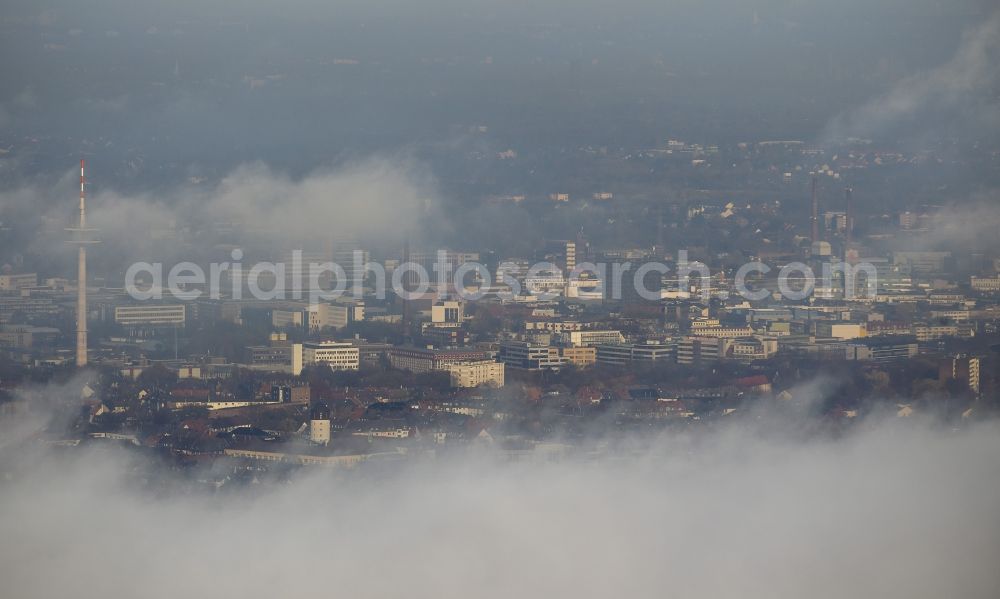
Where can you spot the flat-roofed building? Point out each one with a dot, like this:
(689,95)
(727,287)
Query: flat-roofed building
(473,374)
(695,349)
(882,349)
(26,336)
(653,351)
(151,315)
(372,352)
(544,282)
(15,282)
(338,314)
(280,355)
(986,284)
(528,356)
(580,357)
(952,315)
(593,338)
(553,326)
(270,355)
(723,332)
(29,306)
(840,330)
(921,262)
(616,354)
(447,312)
(624,353)
(418,359)
(444,335)
(338,355)
(928,332)
(751,349)
(287,319)
(940,299)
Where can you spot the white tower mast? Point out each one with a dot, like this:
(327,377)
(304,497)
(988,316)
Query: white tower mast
(81,238)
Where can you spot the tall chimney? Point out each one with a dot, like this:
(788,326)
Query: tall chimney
(849,224)
(815,211)
(659,232)
(404,281)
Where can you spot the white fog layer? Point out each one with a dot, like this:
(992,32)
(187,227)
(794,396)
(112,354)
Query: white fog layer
(890,511)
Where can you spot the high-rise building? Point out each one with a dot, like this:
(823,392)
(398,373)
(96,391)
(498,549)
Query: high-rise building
(562,253)
(319,424)
(965,369)
(352,258)
(447,312)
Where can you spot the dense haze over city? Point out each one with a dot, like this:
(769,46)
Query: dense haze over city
(300,83)
(678,298)
(162,98)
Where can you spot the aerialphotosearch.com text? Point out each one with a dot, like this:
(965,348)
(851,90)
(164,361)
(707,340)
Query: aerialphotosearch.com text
(326,281)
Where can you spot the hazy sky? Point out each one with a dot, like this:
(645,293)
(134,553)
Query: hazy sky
(299,83)
(171,102)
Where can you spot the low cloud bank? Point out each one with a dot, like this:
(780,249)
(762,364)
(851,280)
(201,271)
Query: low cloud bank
(380,197)
(889,510)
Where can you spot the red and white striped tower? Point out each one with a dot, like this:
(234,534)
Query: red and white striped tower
(81,238)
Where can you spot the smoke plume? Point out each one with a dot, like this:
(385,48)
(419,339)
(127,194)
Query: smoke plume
(960,93)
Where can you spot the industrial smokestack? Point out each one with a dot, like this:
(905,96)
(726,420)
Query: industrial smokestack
(659,233)
(404,281)
(849,224)
(815,211)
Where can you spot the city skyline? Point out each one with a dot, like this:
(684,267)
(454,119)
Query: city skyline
(449,298)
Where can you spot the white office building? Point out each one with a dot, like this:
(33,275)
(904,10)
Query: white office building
(338,355)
